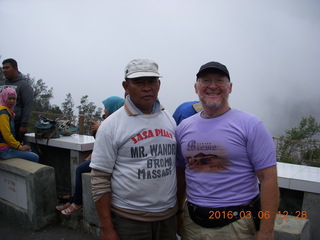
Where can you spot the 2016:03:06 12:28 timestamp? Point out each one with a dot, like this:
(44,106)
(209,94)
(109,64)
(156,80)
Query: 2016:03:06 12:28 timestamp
(296,214)
(260,215)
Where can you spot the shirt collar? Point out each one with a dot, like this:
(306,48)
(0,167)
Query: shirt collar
(132,110)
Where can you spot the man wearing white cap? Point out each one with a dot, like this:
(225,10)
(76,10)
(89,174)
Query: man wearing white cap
(133,162)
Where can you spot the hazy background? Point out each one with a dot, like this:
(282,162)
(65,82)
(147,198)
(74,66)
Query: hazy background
(271,48)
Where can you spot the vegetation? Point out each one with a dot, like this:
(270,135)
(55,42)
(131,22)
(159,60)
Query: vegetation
(68,105)
(42,105)
(88,109)
(301,144)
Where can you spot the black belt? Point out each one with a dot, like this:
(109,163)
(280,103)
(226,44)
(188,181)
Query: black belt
(218,217)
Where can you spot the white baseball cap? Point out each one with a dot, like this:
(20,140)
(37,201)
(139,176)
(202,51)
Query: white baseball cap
(141,68)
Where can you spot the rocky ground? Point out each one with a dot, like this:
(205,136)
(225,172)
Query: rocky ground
(10,230)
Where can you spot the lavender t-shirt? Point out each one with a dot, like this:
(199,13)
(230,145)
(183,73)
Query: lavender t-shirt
(221,156)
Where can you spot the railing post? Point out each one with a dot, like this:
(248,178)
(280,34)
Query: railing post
(81,124)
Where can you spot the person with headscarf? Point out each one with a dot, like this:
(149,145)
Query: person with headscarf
(111,105)
(9,146)
(13,78)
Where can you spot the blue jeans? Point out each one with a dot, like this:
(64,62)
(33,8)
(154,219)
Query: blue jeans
(15,153)
(82,168)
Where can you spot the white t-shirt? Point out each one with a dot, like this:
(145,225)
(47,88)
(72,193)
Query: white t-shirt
(140,153)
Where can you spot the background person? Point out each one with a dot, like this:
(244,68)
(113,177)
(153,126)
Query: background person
(222,154)
(9,146)
(186,110)
(111,105)
(14,79)
(133,162)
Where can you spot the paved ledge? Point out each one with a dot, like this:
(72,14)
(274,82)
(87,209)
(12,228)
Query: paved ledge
(299,177)
(291,228)
(286,227)
(74,142)
(28,192)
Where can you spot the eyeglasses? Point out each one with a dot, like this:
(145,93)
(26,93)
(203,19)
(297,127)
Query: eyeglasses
(208,81)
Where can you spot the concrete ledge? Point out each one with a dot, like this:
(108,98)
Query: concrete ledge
(288,227)
(90,213)
(311,204)
(28,192)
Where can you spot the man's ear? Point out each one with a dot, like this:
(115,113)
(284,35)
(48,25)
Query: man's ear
(230,89)
(125,86)
(195,87)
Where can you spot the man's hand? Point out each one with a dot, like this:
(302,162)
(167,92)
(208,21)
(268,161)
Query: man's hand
(179,223)
(95,126)
(264,236)
(109,235)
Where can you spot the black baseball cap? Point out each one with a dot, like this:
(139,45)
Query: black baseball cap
(214,66)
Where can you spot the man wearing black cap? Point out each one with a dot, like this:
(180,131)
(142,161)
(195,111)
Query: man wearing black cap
(133,162)
(222,153)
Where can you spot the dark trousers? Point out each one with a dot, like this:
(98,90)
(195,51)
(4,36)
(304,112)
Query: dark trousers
(128,229)
(18,136)
(82,168)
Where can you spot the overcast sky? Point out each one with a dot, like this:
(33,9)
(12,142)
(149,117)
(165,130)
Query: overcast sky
(271,48)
